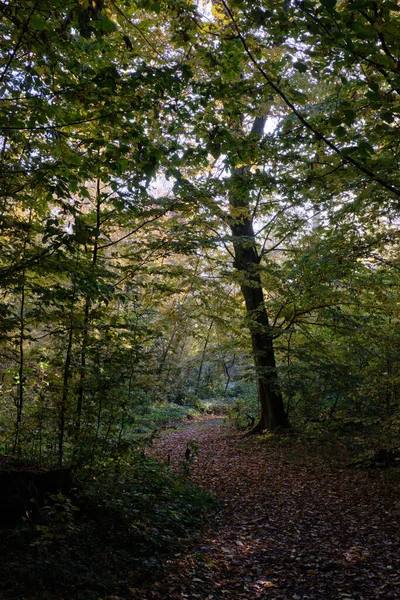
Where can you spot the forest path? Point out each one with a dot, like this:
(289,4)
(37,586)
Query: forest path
(289,526)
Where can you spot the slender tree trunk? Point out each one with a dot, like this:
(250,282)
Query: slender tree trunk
(162,383)
(163,360)
(98,421)
(273,414)
(66,376)
(20,397)
(82,370)
(64,396)
(247,260)
(228,375)
(289,376)
(86,319)
(175,383)
(203,356)
(21,342)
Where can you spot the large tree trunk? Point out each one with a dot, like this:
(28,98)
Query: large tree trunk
(247,261)
(273,414)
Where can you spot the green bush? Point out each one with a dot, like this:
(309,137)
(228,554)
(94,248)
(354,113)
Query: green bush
(241,409)
(125,515)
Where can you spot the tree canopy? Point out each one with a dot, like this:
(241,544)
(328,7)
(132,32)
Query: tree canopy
(197,199)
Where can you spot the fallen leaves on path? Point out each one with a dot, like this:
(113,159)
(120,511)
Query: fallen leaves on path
(289,526)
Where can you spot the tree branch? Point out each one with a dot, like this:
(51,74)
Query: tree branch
(303,120)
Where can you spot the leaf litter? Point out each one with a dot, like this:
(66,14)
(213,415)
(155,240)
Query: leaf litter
(289,525)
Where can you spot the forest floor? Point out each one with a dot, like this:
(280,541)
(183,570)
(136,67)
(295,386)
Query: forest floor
(290,524)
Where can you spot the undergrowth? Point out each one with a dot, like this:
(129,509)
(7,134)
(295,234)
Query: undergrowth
(112,534)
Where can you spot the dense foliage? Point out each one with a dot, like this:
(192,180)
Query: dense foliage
(110,535)
(176,174)
(199,212)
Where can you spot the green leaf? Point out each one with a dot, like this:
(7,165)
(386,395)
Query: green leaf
(374,86)
(373,96)
(388,117)
(300,66)
(106,25)
(350,116)
(300,97)
(340,131)
(330,4)
(84,192)
(360,4)
(260,16)
(73,159)
(37,22)
(348,150)
(365,148)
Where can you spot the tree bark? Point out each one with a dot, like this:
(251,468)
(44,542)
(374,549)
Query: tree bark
(21,347)
(272,413)
(65,389)
(86,318)
(228,375)
(203,355)
(21,368)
